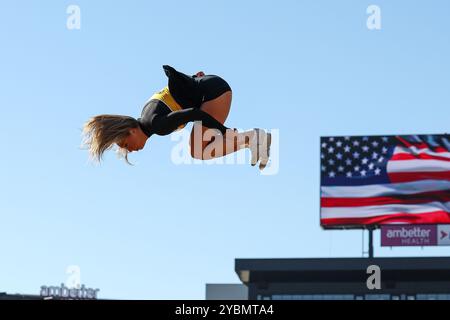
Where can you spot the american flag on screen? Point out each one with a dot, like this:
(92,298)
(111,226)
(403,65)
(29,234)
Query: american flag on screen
(377,180)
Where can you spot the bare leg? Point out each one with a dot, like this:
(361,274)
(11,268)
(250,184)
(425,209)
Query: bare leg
(220,145)
(205,144)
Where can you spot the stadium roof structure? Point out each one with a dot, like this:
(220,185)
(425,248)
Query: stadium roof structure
(342,269)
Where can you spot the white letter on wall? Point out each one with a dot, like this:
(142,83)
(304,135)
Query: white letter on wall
(374,281)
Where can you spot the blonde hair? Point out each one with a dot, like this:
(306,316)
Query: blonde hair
(103,131)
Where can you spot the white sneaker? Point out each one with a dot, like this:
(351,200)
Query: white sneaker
(264,149)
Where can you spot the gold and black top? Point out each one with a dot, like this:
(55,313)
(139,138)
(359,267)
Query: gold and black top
(179,103)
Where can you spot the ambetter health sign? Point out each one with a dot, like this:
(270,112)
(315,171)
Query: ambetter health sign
(415,235)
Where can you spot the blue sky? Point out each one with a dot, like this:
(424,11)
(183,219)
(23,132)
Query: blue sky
(160,231)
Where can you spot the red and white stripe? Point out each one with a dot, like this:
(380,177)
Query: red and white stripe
(417,162)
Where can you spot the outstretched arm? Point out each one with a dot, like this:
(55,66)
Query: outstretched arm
(165,124)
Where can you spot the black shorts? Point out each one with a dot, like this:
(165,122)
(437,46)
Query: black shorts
(211,87)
